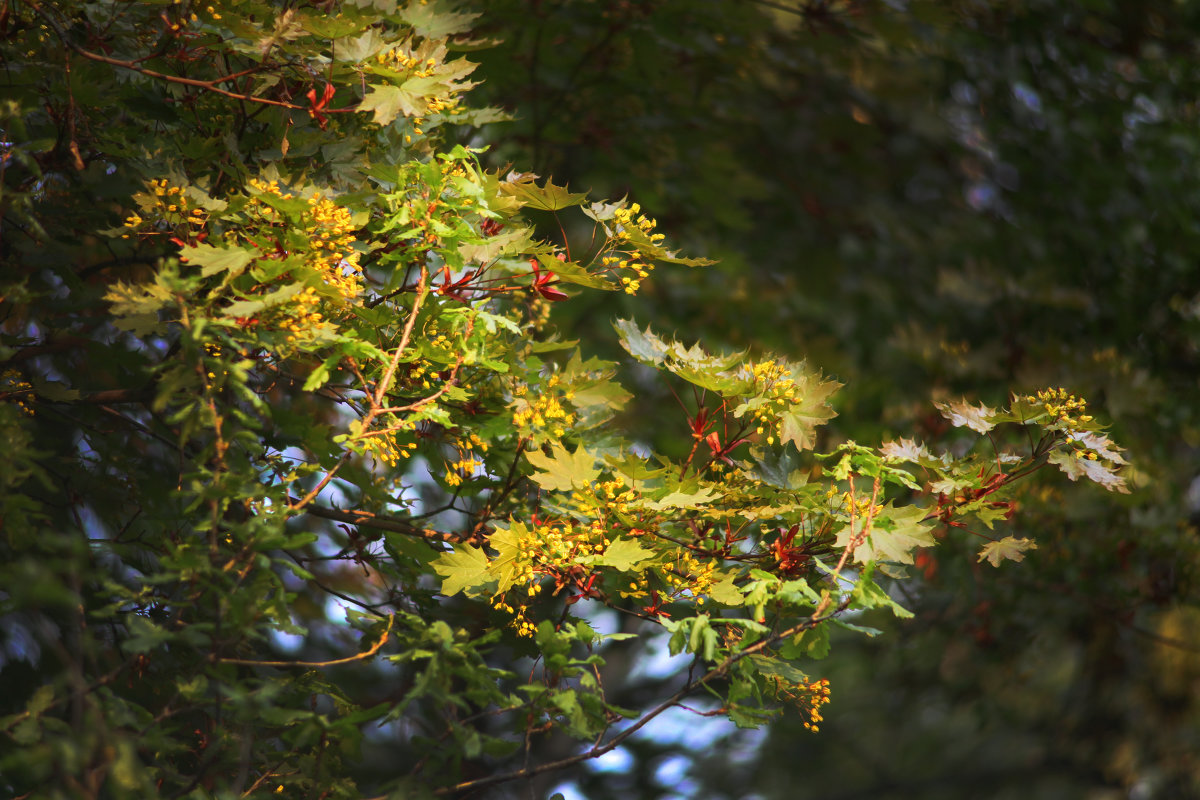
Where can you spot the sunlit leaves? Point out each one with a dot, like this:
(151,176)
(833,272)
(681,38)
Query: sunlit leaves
(960,413)
(1009,548)
(461,569)
(547,197)
(562,469)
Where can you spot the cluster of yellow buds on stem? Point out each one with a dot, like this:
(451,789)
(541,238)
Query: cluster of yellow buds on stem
(772,381)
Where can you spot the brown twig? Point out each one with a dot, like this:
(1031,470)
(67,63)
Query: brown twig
(375,648)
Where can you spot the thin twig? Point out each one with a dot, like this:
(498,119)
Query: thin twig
(375,648)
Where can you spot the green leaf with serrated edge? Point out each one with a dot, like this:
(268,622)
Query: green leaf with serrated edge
(895,533)
(388,102)
(798,422)
(645,347)
(464,568)
(641,242)
(961,414)
(868,594)
(599,394)
(502,244)
(623,554)
(246,308)
(544,198)
(320,376)
(563,470)
(570,272)
(777,468)
(951,485)
(359,48)
(506,543)
(679,498)
(435,20)
(635,469)
(850,626)
(1074,465)
(1009,548)
(812,643)
(725,591)
(212,260)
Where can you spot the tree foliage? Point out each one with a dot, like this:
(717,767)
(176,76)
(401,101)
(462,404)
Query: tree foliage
(302,470)
(937,199)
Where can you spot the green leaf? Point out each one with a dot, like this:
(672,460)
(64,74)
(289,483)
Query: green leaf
(247,308)
(213,260)
(725,591)
(506,543)
(684,499)
(563,470)
(798,422)
(1009,548)
(464,568)
(435,20)
(544,198)
(644,346)
(388,102)
(812,643)
(570,272)
(359,48)
(1074,464)
(977,418)
(894,534)
(867,594)
(623,554)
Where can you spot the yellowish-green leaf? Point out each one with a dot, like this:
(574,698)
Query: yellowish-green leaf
(623,554)
(1009,548)
(563,470)
(462,569)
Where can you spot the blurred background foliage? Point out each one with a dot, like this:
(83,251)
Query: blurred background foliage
(924,199)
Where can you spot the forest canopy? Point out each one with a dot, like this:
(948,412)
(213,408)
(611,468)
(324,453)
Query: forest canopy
(351,452)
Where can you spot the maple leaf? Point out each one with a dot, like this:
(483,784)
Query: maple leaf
(621,554)
(544,198)
(978,419)
(1073,465)
(906,450)
(1010,548)
(1103,446)
(462,569)
(895,533)
(563,470)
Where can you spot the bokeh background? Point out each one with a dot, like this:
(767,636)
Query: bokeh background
(926,200)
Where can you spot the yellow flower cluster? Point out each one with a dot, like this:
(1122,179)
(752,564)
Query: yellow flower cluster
(545,413)
(520,622)
(399,59)
(171,212)
(618,500)
(548,547)
(773,381)
(630,261)
(690,575)
(330,229)
(383,444)
(631,218)
(819,695)
(1067,409)
(630,283)
(331,232)
(14,389)
(806,695)
(463,469)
